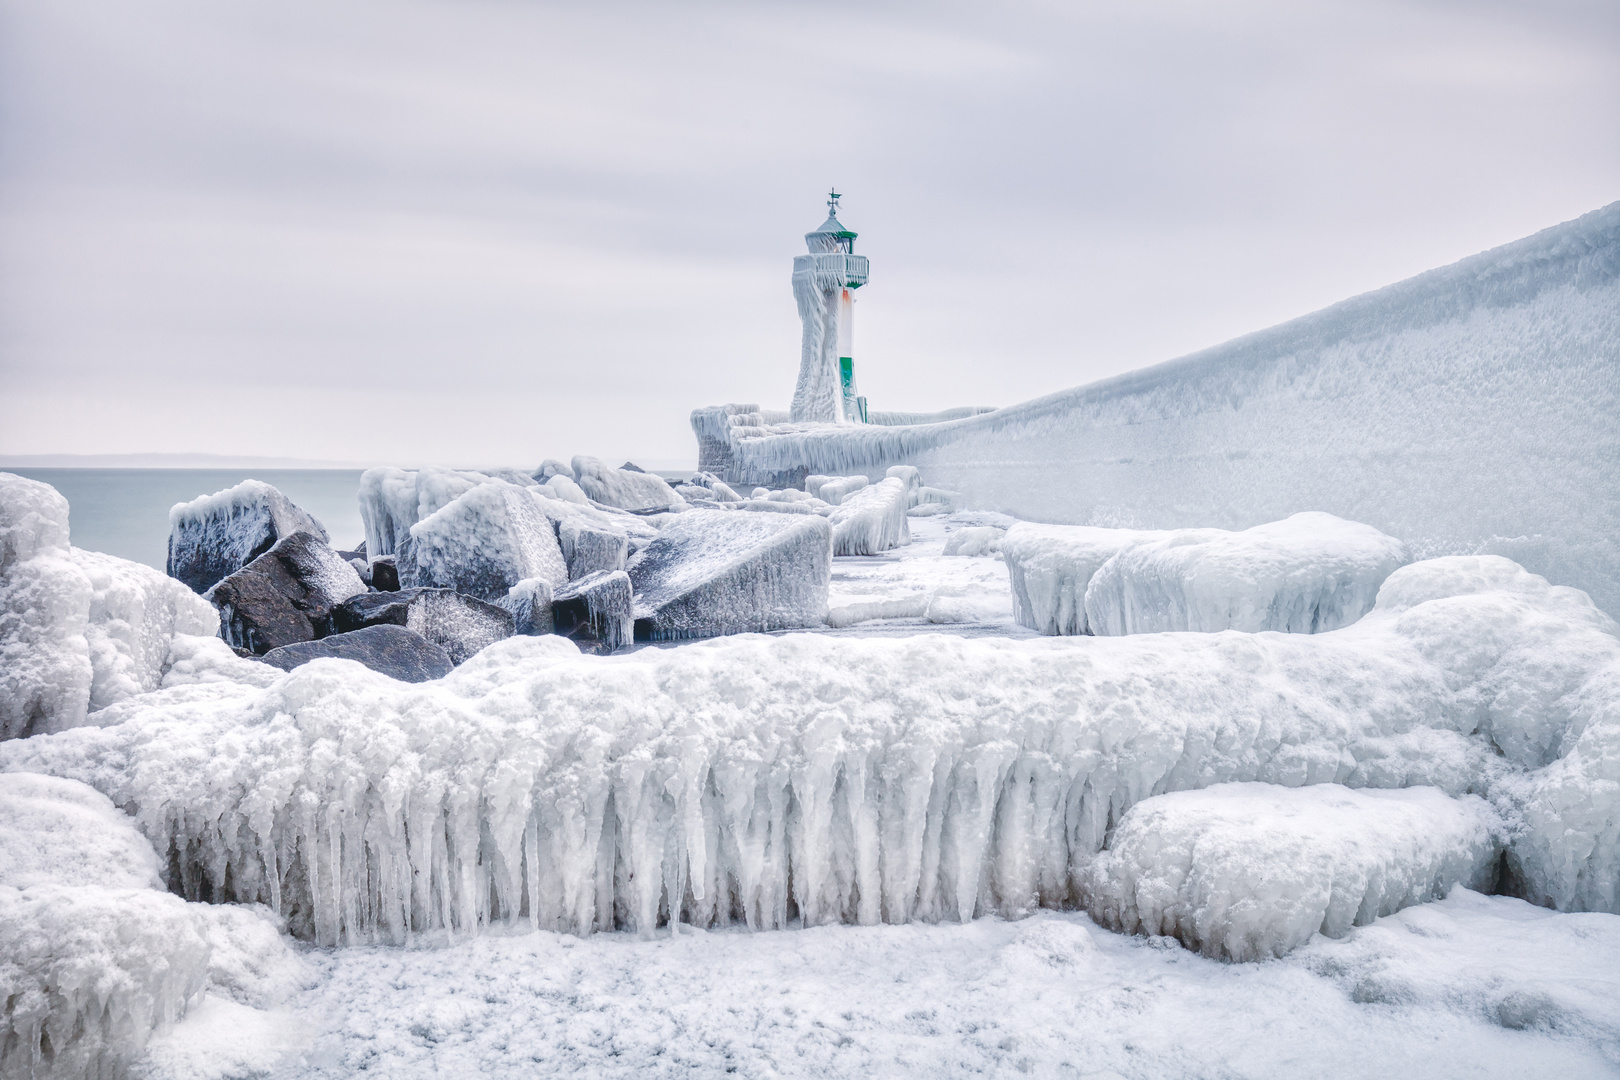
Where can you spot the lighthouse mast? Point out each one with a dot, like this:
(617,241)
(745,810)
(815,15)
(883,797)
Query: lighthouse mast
(824,283)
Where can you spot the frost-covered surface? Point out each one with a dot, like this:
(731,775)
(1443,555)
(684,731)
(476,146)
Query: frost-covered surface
(213,536)
(459,624)
(392,500)
(1049,568)
(975,541)
(94,956)
(62,832)
(871,519)
(78,630)
(639,492)
(483,542)
(1468,987)
(588,548)
(285,596)
(771,780)
(712,572)
(596,608)
(1471,409)
(529,603)
(1251,871)
(1303,575)
(918,587)
(832,490)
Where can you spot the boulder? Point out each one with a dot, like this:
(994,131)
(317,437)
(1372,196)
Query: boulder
(552,467)
(596,608)
(637,492)
(284,596)
(589,549)
(482,543)
(711,573)
(871,519)
(216,535)
(385,648)
(384,573)
(529,603)
(461,625)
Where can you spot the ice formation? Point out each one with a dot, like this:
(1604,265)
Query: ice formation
(483,542)
(871,519)
(94,957)
(976,540)
(766,779)
(833,490)
(386,648)
(461,625)
(638,492)
(1471,409)
(1252,871)
(78,630)
(712,573)
(595,608)
(216,535)
(284,596)
(529,603)
(1049,568)
(392,500)
(588,548)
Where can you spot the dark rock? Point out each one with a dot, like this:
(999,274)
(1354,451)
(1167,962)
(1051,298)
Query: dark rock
(384,574)
(530,605)
(216,535)
(631,466)
(461,625)
(357,553)
(595,609)
(710,573)
(590,549)
(391,650)
(285,595)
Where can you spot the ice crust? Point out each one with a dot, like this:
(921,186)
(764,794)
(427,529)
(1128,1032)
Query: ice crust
(483,542)
(1471,409)
(1252,871)
(79,630)
(871,519)
(216,535)
(768,780)
(1049,568)
(62,832)
(595,608)
(711,573)
(638,492)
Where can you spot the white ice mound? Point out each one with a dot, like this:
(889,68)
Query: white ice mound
(392,500)
(1305,574)
(638,492)
(63,832)
(710,573)
(482,543)
(213,536)
(1250,871)
(1049,567)
(78,629)
(871,519)
(772,779)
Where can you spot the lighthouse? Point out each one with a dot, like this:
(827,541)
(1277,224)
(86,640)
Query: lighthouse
(824,284)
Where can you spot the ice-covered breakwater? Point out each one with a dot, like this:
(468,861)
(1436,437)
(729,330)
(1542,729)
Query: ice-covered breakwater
(1474,408)
(771,780)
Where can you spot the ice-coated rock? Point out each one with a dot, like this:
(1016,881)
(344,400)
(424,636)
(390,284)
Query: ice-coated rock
(1306,574)
(385,648)
(710,573)
(836,489)
(563,487)
(871,519)
(63,832)
(717,488)
(595,608)
(638,492)
(1249,871)
(512,476)
(590,548)
(392,500)
(460,625)
(482,543)
(1049,567)
(79,630)
(552,467)
(385,573)
(216,535)
(976,540)
(933,496)
(529,604)
(285,595)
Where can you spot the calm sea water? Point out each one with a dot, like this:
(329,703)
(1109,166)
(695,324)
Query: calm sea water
(125,512)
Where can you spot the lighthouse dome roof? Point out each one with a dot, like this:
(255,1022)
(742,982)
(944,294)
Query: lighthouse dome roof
(833,227)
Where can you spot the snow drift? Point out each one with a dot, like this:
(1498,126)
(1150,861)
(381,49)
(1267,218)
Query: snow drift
(1471,409)
(769,780)
(78,630)
(1251,871)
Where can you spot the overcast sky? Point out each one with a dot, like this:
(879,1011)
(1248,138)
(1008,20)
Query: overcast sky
(493,231)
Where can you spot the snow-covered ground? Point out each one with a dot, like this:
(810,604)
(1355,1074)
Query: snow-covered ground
(1470,986)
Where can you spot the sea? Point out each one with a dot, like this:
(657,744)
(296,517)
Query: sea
(125,512)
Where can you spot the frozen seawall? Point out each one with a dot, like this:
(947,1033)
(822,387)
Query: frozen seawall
(1471,409)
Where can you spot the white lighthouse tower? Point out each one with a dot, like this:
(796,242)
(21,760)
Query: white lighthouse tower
(824,283)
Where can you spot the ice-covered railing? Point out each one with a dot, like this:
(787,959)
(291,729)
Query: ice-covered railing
(1469,409)
(808,779)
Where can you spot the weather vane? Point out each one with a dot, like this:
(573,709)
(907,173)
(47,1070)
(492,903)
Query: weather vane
(832,202)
